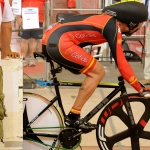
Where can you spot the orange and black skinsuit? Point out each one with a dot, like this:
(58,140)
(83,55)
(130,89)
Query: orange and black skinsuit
(64,42)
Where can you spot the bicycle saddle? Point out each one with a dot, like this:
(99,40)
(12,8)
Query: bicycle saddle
(42,55)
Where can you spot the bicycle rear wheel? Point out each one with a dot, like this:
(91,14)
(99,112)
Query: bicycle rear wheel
(107,141)
(34,104)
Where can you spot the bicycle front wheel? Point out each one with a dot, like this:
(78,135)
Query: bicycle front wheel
(47,123)
(114,125)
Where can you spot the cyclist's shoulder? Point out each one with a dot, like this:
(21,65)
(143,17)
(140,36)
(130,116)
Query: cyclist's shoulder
(111,25)
(98,18)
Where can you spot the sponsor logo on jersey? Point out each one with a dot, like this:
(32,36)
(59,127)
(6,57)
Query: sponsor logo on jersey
(78,56)
(119,41)
(132,79)
(84,35)
(119,30)
(60,19)
(68,51)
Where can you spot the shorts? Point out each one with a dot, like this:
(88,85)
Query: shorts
(68,54)
(2,107)
(34,33)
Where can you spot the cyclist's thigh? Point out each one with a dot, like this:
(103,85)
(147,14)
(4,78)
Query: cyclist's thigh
(70,55)
(37,33)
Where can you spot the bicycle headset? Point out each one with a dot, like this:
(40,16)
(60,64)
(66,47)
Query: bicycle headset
(129,12)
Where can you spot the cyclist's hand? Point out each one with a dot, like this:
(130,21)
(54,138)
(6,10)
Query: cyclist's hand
(13,55)
(146,92)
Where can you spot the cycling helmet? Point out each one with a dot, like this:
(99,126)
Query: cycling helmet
(130,12)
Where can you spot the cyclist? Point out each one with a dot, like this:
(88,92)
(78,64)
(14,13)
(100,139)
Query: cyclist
(63,42)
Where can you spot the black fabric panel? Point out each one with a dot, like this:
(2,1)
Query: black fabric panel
(110,33)
(85,44)
(76,18)
(63,16)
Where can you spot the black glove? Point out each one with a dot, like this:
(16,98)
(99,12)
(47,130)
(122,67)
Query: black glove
(146,92)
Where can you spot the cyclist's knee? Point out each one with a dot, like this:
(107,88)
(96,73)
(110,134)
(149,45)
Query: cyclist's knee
(98,71)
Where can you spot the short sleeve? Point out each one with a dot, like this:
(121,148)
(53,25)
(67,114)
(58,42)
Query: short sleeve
(7,14)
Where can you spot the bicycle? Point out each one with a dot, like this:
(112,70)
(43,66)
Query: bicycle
(57,136)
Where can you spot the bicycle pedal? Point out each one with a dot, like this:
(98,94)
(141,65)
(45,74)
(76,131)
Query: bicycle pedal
(87,127)
(84,130)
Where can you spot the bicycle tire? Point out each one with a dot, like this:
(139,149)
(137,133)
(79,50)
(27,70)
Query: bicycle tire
(50,118)
(115,108)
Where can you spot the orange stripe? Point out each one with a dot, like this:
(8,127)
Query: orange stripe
(89,66)
(75,111)
(134,81)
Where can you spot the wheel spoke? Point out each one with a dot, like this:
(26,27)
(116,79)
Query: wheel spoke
(118,137)
(123,117)
(135,143)
(144,120)
(145,135)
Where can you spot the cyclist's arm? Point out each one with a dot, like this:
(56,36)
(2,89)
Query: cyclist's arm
(114,37)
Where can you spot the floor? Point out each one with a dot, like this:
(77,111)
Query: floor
(115,148)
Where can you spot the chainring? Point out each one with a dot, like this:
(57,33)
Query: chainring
(67,140)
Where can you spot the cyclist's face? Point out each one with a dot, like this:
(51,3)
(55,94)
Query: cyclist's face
(136,29)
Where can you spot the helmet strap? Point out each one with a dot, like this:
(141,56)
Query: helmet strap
(130,29)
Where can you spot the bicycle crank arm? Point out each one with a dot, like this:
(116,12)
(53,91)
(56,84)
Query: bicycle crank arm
(75,135)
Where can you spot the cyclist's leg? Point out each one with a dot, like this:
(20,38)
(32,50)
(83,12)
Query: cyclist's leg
(89,85)
(76,59)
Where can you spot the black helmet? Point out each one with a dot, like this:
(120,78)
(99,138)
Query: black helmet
(130,12)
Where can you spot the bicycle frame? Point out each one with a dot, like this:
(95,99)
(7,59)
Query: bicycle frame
(117,88)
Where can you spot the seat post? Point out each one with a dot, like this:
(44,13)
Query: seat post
(54,70)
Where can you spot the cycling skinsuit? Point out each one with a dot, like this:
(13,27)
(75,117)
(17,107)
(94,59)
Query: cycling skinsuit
(64,41)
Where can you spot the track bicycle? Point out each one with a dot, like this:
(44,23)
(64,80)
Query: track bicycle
(56,136)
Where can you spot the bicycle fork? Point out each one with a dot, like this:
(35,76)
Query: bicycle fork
(130,114)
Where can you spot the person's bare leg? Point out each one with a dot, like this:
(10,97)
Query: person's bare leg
(24,47)
(32,46)
(39,45)
(89,85)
